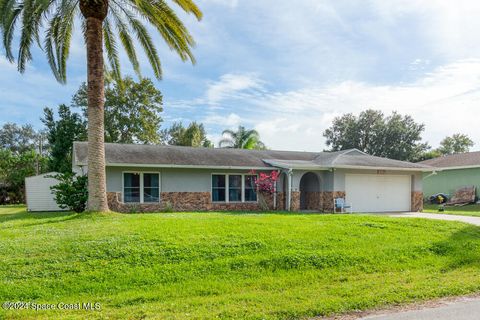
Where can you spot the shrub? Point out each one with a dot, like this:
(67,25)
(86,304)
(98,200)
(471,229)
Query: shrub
(71,192)
(168,207)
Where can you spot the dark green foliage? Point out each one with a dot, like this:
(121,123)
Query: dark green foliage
(394,136)
(457,143)
(132,110)
(14,168)
(22,154)
(241,139)
(430,154)
(61,134)
(19,139)
(192,136)
(71,192)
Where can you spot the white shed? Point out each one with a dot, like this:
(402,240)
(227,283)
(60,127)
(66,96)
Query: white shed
(38,194)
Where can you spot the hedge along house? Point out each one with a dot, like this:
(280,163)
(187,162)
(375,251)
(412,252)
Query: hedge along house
(452,172)
(151,178)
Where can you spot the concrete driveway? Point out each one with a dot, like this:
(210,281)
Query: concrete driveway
(464,309)
(435,216)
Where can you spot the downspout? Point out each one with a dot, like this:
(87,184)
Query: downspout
(431,174)
(275,192)
(289,196)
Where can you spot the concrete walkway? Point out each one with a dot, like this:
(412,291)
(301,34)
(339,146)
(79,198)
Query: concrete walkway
(465,309)
(434,216)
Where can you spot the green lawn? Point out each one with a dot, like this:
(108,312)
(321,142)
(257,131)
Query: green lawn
(468,210)
(241,266)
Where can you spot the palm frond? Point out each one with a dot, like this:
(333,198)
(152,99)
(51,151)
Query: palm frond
(56,18)
(58,36)
(226,143)
(111,49)
(170,27)
(32,14)
(148,46)
(126,39)
(190,7)
(10,13)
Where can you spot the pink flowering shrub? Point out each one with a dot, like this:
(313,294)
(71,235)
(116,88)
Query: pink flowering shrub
(265,182)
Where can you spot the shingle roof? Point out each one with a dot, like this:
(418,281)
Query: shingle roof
(187,156)
(455,160)
(132,154)
(347,159)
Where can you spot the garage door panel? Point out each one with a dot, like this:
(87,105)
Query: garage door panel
(378,193)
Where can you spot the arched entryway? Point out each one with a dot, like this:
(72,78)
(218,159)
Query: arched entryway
(310,192)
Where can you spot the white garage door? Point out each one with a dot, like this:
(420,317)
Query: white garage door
(378,193)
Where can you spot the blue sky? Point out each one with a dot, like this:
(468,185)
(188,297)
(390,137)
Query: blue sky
(287,68)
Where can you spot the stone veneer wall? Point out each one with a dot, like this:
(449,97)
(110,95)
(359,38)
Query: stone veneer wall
(281,201)
(184,201)
(417,201)
(313,200)
(321,201)
(295,201)
(201,201)
(328,198)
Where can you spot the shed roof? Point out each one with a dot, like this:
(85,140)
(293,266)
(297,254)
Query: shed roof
(175,156)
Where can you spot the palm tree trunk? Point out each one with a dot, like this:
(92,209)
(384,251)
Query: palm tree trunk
(97,196)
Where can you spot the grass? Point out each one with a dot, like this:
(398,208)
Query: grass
(229,266)
(468,210)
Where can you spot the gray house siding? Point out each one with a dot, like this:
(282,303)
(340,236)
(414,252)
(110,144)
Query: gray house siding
(172,180)
(325,179)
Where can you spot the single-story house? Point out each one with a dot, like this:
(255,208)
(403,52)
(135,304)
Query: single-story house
(451,173)
(149,178)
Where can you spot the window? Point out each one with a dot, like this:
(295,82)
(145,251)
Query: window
(131,187)
(151,188)
(233,188)
(141,187)
(250,188)
(218,188)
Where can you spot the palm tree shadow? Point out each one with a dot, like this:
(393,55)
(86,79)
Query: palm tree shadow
(38,217)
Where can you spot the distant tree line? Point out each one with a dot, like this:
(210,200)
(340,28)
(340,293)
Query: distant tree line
(392,136)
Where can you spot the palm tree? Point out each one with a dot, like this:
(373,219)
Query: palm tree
(241,139)
(104,23)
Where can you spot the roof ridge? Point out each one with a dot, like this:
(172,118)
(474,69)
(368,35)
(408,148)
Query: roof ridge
(206,148)
(347,151)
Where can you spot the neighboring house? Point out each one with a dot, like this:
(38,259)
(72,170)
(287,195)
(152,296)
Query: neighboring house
(452,172)
(150,178)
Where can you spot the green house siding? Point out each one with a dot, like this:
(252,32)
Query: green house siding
(449,180)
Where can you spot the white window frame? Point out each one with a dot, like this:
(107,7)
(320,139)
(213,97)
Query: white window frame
(227,187)
(141,173)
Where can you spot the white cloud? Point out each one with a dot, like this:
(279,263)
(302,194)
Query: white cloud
(445,100)
(231,121)
(229,86)
(228,3)
(23,96)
